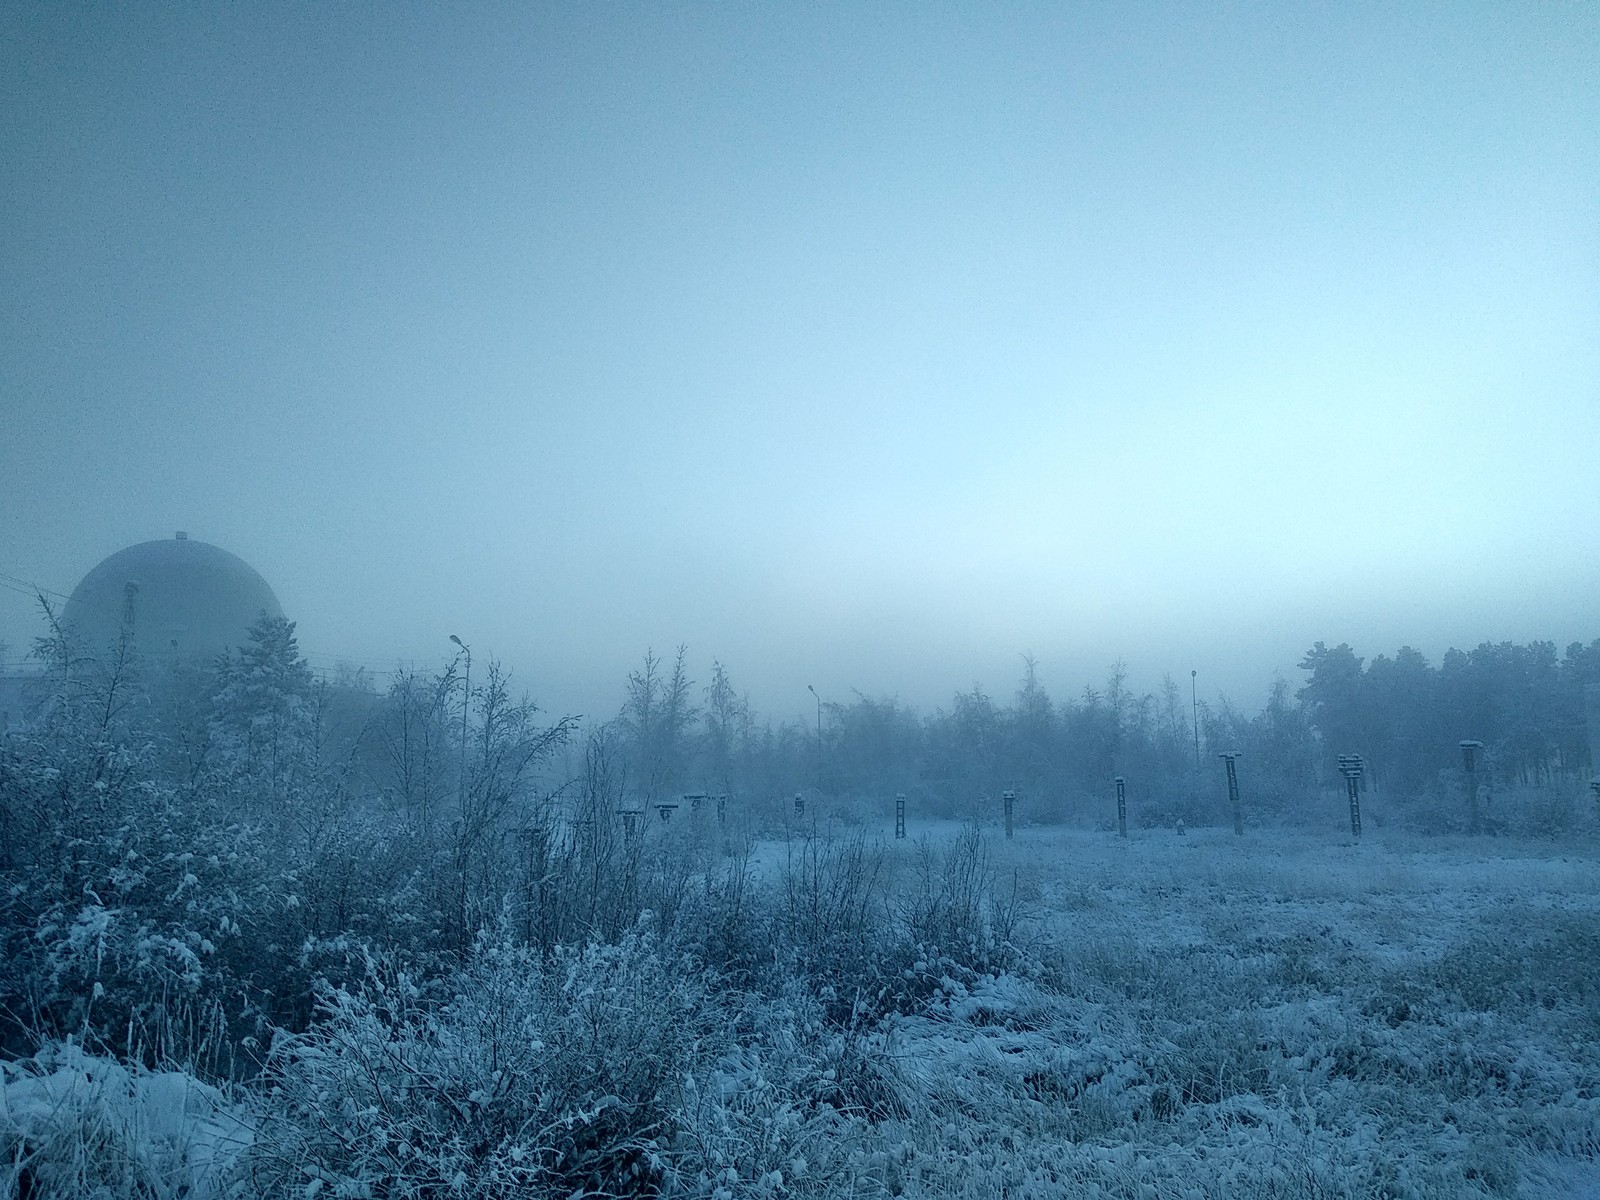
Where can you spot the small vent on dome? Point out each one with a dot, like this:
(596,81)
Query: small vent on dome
(181,535)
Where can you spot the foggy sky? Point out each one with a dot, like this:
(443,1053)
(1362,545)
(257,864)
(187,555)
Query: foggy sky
(867,346)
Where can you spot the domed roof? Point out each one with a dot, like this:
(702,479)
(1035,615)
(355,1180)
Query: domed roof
(190,599)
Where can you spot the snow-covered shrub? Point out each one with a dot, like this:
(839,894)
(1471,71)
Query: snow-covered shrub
(1440,808)
(945,908)
(833,919)
(129,911)
(727,918)
(875,932)
(536,1078)
(74,1127)
(1552,813)
(794,1106)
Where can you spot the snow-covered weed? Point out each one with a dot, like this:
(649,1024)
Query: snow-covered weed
(536,1077)
(75,1127)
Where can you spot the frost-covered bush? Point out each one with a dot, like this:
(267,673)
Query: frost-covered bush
(133,903)
(875,932)
(603,1070)
(75,1127)
(533,1078)
(1552,813)
(794,1106)
(129,912)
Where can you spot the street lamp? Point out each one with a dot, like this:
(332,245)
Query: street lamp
(1194,705)
(466,706)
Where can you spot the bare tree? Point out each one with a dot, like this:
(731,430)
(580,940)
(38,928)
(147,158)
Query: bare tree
(656,718)
(725,719)
(678,715)
(413,730)
(641,721)
(501,797)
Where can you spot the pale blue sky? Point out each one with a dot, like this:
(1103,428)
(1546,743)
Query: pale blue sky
(859,345)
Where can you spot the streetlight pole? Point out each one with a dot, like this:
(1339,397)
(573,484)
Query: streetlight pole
(466,706)
(1194,705)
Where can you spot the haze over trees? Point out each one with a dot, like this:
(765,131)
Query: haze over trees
(1405,716)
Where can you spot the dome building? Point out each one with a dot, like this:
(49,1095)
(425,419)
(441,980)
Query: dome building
(187,599)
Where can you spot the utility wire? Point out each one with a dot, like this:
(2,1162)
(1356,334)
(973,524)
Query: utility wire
(26,587)
(34,587)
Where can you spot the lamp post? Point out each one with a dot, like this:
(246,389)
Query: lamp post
(1194,707)
(466,706)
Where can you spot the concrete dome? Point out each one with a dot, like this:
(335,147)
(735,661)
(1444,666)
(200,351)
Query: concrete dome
(190,599)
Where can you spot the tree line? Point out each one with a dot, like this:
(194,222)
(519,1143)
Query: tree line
(1530,707)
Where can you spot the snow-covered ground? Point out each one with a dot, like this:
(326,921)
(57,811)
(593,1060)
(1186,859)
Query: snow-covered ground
(75,1124)
(1177,1017)
(1279,1014)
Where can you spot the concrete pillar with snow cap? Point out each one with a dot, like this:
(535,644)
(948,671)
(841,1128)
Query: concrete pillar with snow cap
(1352,766)
(1231,757)
(1469,764)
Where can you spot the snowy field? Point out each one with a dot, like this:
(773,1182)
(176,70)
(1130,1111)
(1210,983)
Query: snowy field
(1275,1014)
(1172,1017)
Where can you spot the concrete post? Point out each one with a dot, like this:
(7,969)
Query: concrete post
(1469,764)
(1230,757)
(1591,715)
(1351,767)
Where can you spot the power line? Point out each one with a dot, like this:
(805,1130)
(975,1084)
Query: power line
(21,591)
(26,587)
(34,587)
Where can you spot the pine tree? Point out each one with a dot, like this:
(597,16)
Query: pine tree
(264,719)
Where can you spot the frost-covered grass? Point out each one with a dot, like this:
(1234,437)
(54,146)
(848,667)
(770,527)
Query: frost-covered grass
(1067,1014)
(72,1124)
(1276,1015)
